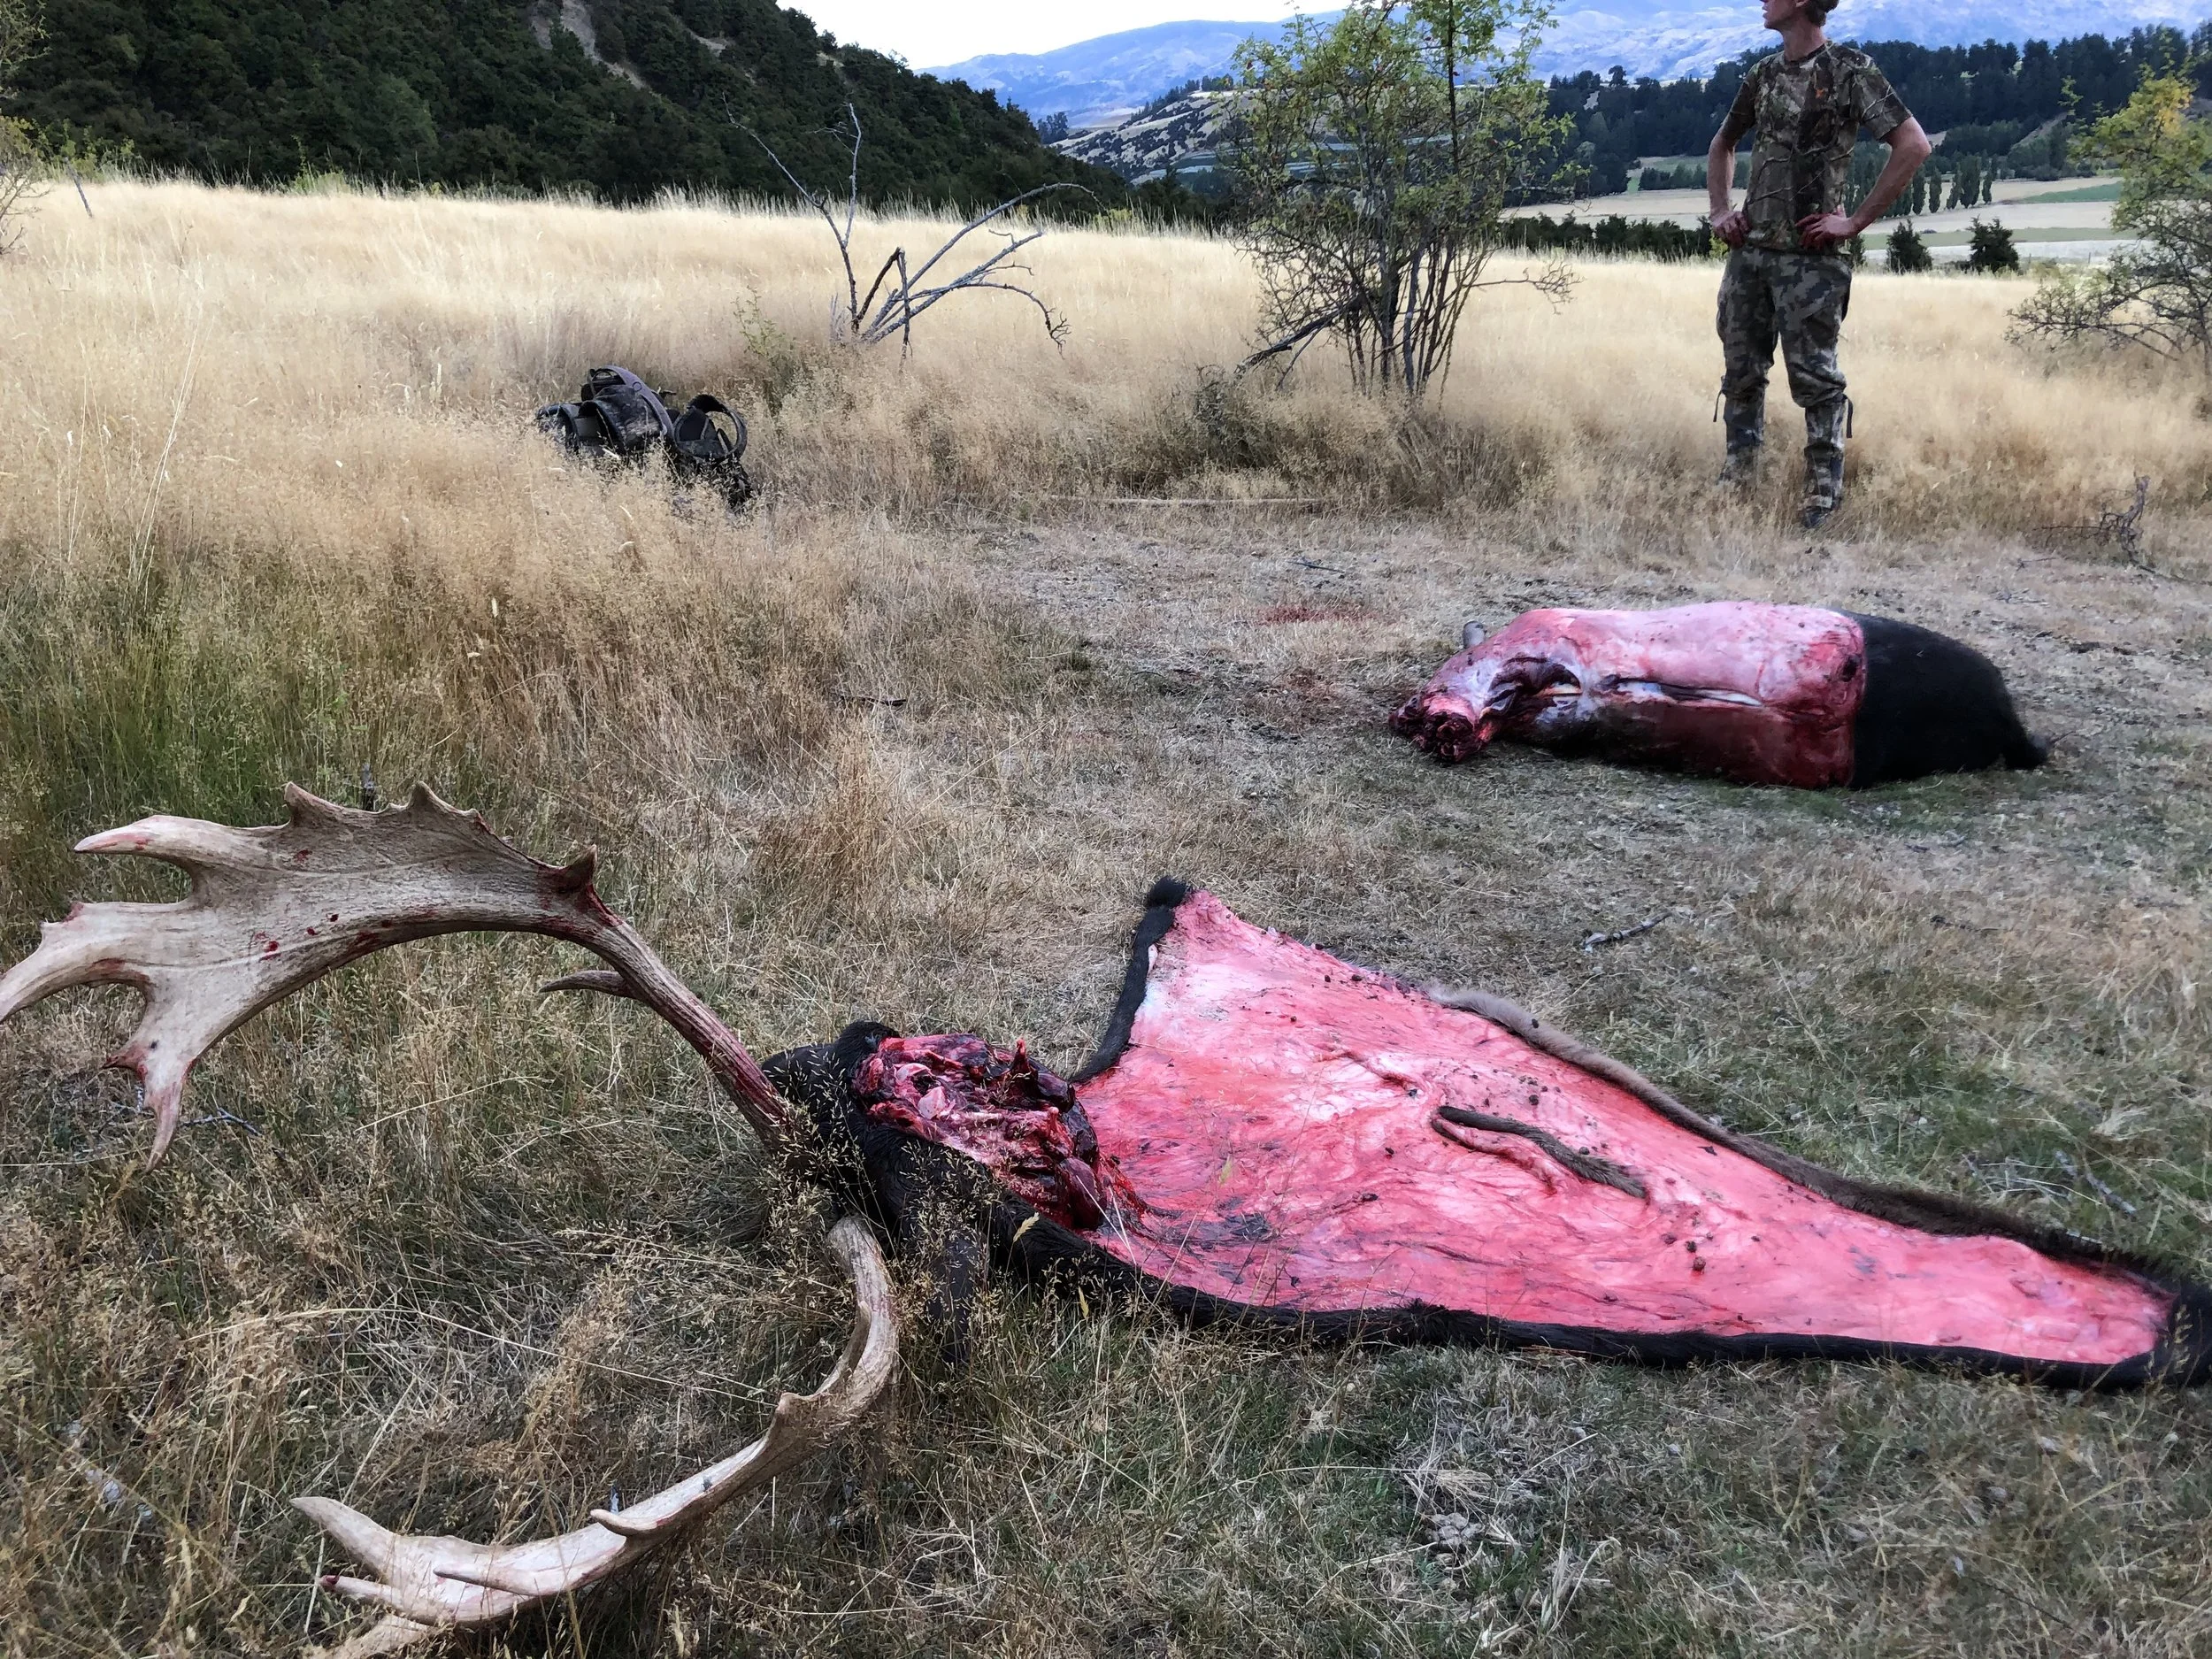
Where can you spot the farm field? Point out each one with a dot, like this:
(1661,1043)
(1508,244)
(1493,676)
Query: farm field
(2065,219)
(1014,630)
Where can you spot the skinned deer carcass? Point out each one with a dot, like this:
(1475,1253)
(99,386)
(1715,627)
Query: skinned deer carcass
(1760,694)
(1266,1133)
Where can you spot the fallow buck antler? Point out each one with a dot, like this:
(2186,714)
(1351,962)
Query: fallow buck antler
(269,910)
(432,1584)
(273,909)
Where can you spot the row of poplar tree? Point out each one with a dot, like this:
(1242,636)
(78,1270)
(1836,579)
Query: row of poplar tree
(1967,182)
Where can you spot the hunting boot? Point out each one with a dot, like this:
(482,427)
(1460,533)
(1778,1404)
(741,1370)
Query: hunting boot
(1826,427)
(1746,421)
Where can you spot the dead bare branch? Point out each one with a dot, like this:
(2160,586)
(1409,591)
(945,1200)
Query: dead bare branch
(2125,527)
(2117,526)
(1294,341)
(864,322)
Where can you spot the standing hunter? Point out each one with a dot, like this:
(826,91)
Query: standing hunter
(1789,272)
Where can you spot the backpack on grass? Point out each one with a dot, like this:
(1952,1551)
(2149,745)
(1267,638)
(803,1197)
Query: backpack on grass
(618,417)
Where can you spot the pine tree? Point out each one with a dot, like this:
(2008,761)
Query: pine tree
(1992,249)
(1908,252)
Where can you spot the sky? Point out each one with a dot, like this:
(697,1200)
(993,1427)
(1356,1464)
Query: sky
(951,31)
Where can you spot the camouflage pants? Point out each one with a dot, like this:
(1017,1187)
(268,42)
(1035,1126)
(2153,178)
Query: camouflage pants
(1801,299)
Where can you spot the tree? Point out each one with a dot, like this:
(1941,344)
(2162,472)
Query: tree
(1373,162)
(1966,183)
(1908,252)
(2157,295)
(22,179)
(1989,250)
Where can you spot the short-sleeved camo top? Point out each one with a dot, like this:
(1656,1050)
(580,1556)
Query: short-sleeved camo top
(1808,115)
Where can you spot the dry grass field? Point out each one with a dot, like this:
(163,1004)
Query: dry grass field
(907,742)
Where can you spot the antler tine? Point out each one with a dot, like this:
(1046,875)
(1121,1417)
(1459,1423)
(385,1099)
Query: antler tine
(274,909)
(603,981)
(803,1424)
(433,1583)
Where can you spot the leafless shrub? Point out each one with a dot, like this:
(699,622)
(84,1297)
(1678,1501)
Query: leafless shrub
(22,173)
(22,181)
(889,307)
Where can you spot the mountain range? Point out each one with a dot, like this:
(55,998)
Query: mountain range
(1101,80)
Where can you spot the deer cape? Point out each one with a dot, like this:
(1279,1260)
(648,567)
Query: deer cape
(1269,1132)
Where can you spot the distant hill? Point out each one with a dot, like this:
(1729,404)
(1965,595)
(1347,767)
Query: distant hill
(1101,80)
(2012,107)
(624,97)
(1178,134)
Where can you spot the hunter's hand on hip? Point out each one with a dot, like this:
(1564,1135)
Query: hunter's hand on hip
(1822,231)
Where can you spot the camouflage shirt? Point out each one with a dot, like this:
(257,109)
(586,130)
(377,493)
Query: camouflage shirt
(1808,115)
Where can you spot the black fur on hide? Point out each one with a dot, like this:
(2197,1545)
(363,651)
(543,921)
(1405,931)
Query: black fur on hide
(1931,704)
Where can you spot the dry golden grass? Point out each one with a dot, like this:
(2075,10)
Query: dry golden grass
(271,510)
(342,375)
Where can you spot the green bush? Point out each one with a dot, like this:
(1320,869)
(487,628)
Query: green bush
(1990,250)
(1908,252)
(2157,294)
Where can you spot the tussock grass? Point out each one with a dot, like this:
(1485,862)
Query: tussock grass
(908,744)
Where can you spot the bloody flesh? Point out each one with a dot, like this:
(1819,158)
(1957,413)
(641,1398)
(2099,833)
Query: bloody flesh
(1017,1120)
(1758,692)
(1285,1132)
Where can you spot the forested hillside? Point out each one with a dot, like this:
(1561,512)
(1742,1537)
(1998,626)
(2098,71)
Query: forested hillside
(513,92)
(1988,100)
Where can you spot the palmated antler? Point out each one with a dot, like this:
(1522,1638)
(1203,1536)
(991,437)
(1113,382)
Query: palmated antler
(433,1583)
(272,910)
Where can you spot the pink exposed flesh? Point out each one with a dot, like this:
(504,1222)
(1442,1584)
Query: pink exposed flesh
(1275,1109)
(1017,1121)
(1758,693)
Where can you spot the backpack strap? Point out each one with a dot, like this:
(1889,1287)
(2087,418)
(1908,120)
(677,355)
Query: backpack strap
(698,437)
(577,426)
